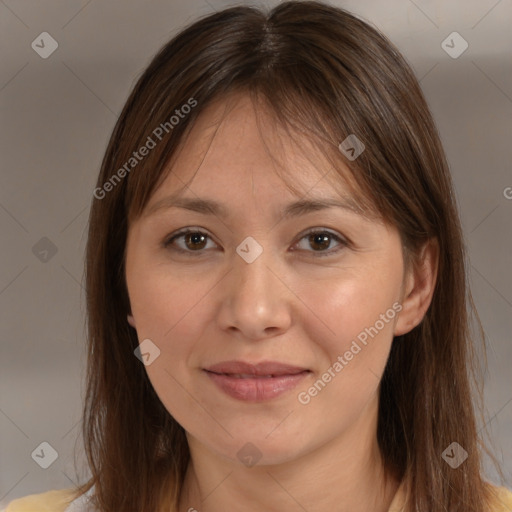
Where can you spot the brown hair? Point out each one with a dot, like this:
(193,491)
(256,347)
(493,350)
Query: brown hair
(327,74)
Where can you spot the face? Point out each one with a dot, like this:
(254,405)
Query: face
(317,290)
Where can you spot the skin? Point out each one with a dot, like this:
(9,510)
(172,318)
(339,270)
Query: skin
(291,306)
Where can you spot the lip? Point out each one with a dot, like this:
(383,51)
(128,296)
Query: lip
(273,368)
(255,382)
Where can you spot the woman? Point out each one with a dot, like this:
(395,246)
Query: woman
(276,283)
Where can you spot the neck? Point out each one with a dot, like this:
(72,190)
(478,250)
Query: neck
(345,474)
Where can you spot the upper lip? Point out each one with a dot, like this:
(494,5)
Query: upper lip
(264,368)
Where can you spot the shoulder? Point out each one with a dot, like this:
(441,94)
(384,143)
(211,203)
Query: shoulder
(50,501)
(502,499)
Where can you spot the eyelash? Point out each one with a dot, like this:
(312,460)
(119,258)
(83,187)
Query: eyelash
(168,241)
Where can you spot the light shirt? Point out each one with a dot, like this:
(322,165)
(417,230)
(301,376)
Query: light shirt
(62,501)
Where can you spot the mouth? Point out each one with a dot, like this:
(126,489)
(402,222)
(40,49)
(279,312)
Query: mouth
(255,382)
(265,369)
(249,376)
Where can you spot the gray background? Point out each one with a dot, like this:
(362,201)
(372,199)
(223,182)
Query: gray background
(57,114)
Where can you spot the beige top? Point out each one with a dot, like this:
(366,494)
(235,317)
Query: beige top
(62,501)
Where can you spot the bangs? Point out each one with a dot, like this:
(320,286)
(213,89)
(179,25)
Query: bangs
(285,125)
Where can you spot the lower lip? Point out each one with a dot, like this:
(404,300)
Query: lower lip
(257,389)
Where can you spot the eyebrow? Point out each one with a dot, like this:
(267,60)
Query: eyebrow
(295,209)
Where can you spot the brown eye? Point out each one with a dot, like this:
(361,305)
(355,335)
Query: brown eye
(320,242)
(192,240)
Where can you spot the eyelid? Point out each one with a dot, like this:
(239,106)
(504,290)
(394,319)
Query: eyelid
(169,239)
(342,241)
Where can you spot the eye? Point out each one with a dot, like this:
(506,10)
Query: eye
(195,240)
(321,239)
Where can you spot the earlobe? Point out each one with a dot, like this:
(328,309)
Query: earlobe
(131,320)
(419,290)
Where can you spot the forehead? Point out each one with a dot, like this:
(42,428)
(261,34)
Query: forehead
(236,151)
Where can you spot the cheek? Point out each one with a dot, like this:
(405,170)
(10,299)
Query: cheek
(352,307)
(169,310)
(353,328)
(164,303)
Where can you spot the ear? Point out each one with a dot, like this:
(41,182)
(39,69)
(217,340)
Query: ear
(419,285)
(131,320)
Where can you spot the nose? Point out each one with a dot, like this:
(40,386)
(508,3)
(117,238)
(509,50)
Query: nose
(256,302)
